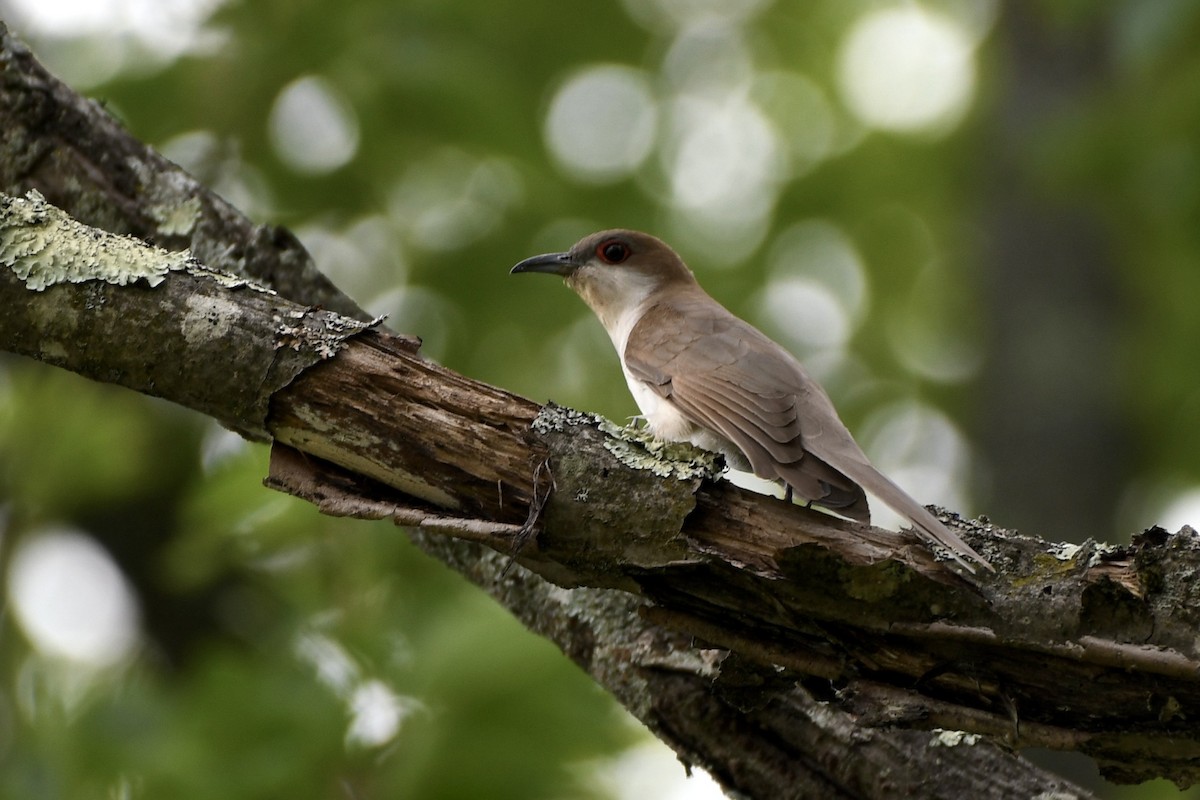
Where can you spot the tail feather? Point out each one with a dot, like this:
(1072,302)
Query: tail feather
(927,525)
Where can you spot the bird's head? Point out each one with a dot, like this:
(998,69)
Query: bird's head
(614,271)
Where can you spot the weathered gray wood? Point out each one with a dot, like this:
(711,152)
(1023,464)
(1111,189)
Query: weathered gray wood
(1035,656)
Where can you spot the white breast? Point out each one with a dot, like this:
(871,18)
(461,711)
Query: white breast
(619,302)
(664,419)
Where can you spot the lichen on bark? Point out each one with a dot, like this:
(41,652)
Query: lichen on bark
(43,247)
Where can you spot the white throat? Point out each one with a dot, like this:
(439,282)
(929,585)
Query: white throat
(618,299)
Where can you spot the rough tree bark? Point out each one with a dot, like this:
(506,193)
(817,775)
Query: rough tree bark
(791,654)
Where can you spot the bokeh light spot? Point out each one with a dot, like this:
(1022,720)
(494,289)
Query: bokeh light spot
(806,313)
(602,122)
(817,290)
(376,711)
(802,113)
(376,714)
(727,156)
(652,770)
(71,600)
(671,15)
(1182,509)
(450,199)
(820,250)
(724,165)
(708,59)
(423,312)
(312,127)
(104,37)
(366,257)
(907,69)
(922,450)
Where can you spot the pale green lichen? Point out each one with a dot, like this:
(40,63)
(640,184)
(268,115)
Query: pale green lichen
(944,738)
(293,330)
(176,219)
(1063,551)
(1095,551)
(553,418)
(1102,549)
(635,447)
(162,193)
(678,459)
(226,280)
(43,247)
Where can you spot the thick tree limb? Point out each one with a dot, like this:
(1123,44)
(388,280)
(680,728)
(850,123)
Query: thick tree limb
(775,583)
(826,658)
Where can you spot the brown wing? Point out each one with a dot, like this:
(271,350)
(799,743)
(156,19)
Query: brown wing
(728,377)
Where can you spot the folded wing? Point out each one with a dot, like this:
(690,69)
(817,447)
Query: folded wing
(727,377)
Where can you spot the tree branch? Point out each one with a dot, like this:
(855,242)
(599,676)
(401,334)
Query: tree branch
(72,151)
(790,653)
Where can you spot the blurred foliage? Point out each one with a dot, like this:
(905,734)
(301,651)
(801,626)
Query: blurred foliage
(1027,268)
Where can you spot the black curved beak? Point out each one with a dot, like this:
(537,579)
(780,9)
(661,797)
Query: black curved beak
(550,263)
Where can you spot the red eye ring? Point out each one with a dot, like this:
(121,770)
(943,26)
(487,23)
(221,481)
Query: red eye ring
(613,251)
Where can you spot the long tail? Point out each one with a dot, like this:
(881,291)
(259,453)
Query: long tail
(928,526)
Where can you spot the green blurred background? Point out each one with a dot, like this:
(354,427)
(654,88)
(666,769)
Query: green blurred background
(976,222)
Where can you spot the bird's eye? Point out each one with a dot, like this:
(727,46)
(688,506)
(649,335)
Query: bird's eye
(613,251)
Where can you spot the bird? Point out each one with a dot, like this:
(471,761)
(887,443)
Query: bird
(700,374)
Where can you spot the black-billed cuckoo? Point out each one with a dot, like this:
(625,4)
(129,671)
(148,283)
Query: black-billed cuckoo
(699,374)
